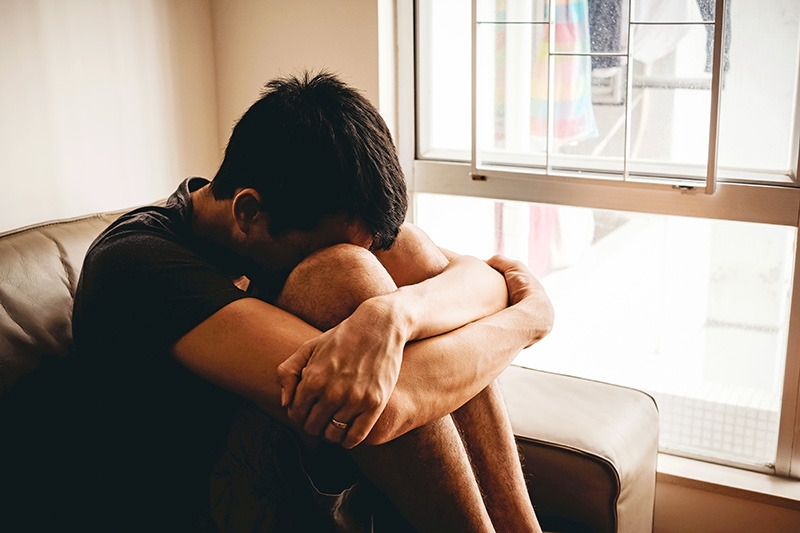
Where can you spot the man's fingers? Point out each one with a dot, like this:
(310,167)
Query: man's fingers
(306,395)
(300,406)
(288,383)
(507,266)
(320,417)
(334,434)
(500,263)
(289,372)
(361,427)
(345,415)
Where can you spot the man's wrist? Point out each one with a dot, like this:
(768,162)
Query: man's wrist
(394,311)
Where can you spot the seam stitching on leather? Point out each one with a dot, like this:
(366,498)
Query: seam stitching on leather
(68,270)
(104,214)
(652,399)
(43,225)
(11,316)
(586,453)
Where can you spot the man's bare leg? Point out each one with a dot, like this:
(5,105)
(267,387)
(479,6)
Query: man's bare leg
(486,431)
(426,473)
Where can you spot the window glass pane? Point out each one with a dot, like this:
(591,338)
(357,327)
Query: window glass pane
(758,90)
(589,117)
(673,10)
(672,66)
(512,10)
(443,69)
(693,311)
(512,94)
(671,100)
(597,27)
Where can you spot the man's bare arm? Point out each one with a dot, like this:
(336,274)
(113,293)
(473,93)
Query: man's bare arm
(440,374)
(424,391)
(241,346)
(442,291)
(353,368)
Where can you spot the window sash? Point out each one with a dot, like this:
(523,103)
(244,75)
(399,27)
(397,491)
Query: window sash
(731,201)
(739,198)
(708,184)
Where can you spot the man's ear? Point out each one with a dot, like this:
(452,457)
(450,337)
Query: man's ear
(246,208)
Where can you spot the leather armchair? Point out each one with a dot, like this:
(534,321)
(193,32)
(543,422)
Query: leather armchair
(589,449)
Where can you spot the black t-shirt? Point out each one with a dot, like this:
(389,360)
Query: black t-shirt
(153,429)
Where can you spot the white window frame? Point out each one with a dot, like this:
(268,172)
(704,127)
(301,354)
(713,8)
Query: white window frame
(748,201)
(708,185)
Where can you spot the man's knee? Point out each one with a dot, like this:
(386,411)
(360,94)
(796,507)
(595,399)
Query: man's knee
(327,286)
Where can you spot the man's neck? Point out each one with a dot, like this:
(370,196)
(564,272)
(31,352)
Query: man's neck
(210,217)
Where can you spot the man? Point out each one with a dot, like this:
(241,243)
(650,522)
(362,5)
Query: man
(186,312)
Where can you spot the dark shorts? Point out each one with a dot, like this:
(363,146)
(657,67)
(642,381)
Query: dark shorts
(268,480)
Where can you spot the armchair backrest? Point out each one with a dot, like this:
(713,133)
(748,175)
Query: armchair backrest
(39,269)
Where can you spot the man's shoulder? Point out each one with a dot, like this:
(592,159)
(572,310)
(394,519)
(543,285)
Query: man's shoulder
(134,258)
(146,272)
(146,232)
(150,230)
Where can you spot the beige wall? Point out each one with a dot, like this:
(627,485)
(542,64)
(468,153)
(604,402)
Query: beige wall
(681,509)
(107,105)
(257,40)
(104,105)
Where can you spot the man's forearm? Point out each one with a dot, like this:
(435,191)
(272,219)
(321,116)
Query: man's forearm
(351,372)
(466,290)
(438,375)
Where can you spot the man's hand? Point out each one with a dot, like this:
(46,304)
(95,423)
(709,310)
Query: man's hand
(346,374)
(524,288)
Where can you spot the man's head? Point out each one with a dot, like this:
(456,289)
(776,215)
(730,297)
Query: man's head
(317,153)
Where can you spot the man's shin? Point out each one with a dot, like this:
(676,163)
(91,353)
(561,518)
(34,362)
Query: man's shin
(486,430)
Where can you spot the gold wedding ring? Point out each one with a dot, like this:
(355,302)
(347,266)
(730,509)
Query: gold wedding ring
(340,425)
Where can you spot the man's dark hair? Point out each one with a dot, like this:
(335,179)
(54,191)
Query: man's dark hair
(314,147)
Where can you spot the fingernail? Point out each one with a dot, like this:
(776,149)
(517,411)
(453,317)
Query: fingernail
(283,397)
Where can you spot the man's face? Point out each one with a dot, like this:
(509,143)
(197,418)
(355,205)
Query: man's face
(287,250)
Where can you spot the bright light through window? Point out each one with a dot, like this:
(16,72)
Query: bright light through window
(606,105)
(664,109)
(693,311)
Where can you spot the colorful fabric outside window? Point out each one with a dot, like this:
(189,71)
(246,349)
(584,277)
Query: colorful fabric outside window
(573,116)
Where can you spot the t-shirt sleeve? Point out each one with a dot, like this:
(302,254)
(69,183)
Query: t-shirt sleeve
(150,287)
